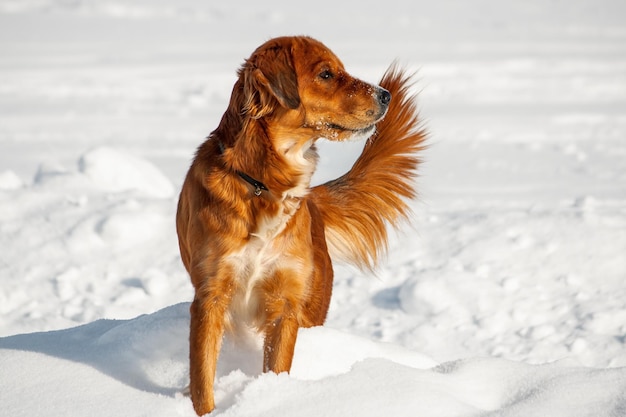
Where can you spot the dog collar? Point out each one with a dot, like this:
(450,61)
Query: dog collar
(259,187)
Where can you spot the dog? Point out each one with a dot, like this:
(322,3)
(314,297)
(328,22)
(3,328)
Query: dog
(254,236)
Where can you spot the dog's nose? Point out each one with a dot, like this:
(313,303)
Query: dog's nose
(384,97)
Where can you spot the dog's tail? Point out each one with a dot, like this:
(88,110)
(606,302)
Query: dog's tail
(357,206)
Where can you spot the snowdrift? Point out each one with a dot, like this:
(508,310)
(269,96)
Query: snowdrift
(139,367)
(503,297)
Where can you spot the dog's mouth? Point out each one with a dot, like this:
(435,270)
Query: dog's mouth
(360,130)
(334,126)
(334,131)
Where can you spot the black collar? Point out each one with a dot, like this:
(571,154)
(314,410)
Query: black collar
(258,185)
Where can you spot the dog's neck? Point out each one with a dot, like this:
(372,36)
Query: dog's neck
(299,160)
(303,157)
(259,187)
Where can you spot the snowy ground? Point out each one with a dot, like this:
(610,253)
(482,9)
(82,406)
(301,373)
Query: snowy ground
(504,296)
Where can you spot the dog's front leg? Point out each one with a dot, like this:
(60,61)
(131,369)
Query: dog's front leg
(205,339)
(282,303)
(280,341)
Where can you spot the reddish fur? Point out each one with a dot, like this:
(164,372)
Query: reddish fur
(358,204)
(262,262)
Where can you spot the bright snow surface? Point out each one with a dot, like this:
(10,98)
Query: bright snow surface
(504,296)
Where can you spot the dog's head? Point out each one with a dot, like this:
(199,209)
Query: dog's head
(302,89)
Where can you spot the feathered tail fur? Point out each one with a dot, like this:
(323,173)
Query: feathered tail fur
(357,206)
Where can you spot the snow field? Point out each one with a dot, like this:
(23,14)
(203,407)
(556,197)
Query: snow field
(86,222)
(140,365)
(503,296)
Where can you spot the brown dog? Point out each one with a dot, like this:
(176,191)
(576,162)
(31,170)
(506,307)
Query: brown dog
(254,237)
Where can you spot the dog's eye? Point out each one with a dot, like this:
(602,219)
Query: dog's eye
(326,75)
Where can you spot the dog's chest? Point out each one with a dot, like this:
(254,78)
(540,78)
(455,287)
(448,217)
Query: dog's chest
(264,252)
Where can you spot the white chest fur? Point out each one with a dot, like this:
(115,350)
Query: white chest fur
(261,255)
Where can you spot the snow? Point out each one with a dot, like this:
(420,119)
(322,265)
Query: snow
(139,365)
(115,171)
(504,295)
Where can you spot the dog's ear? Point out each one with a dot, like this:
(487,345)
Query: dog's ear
(271,77)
